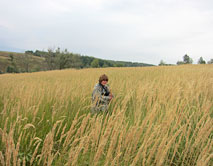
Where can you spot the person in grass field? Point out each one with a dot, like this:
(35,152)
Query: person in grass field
(101,95)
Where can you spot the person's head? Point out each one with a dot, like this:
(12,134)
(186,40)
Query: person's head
(103,79)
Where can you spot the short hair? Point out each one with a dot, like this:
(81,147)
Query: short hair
(103,78)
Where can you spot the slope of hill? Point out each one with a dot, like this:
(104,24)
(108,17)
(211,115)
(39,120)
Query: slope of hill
(40,60)
(21,61)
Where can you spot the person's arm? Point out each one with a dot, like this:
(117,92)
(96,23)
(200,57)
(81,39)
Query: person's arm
(110,92)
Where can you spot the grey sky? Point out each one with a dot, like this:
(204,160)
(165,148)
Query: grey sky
(128,30)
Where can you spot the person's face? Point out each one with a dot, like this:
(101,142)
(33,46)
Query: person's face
(104,82)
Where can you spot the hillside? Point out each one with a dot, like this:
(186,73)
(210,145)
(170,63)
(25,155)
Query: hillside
(23,63)
(40,61)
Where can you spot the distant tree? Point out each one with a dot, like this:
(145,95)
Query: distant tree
(95,63)
(11,58)
(58,50)
(110,64)
(187,59)
(210,61)
(62,60)
(105,65)
(162,63)
(66,51)
(13,68)
(26,61)
(75,61)
(101,62)
(119,65)
(50,59)
(40,53)
(28,52)
(86,61)
(201,61)
(180,62)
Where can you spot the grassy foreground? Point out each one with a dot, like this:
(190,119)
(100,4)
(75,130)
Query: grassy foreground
(160,116)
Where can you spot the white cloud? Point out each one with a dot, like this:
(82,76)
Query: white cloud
(134,30)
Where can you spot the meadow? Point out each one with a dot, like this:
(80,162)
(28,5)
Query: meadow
(160,116)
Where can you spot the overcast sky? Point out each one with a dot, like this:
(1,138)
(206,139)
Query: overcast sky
(128,30)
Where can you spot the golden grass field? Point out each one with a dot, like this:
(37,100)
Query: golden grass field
(161,116)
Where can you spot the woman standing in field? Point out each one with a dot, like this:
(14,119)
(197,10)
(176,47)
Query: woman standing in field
(101,95)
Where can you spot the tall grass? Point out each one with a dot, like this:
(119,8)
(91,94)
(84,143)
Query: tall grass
(159,116)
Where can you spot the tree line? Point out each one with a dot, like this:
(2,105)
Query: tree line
(187,60)
(57,59)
